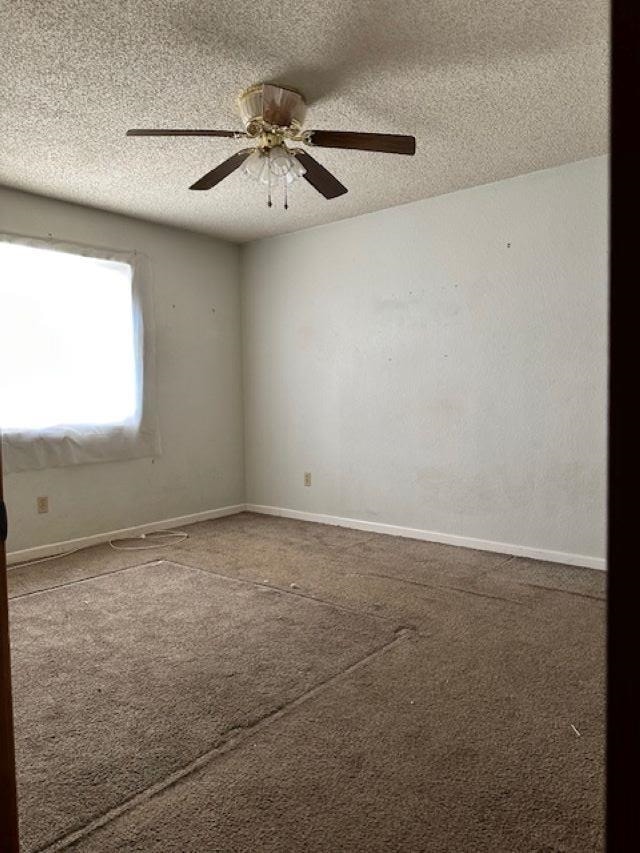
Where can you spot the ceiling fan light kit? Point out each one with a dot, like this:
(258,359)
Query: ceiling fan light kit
(275,165)
(274,115)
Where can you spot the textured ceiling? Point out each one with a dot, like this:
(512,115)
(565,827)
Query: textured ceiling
(490,89)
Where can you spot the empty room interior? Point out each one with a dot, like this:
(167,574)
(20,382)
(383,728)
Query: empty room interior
(303,333)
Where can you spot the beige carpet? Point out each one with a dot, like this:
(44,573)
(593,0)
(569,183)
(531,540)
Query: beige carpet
(282,686)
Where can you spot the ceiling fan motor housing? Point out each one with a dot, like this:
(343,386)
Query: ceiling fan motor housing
(265,107)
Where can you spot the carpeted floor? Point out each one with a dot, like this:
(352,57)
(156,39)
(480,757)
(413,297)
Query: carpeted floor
(275,685)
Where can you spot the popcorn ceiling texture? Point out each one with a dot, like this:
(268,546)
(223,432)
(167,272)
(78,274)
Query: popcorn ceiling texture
(489,88)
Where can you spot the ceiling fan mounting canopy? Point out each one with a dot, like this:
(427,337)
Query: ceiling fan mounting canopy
(265,107)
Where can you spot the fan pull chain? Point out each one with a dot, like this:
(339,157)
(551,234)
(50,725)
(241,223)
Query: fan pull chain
(286,201)
(269,202)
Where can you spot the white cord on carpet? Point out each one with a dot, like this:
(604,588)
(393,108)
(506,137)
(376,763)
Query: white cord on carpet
(173,535)
(180,535)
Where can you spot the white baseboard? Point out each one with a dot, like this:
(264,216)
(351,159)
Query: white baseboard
(431,536)
(55,548)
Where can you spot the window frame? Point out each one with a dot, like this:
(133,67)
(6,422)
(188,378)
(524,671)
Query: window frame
(54,447)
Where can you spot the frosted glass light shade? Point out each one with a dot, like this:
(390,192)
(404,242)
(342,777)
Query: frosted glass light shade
(256,166)
(274,166)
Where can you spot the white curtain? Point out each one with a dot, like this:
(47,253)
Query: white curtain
(82,440)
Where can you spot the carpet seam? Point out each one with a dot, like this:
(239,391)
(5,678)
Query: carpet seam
(296,594)
(227,744)
(564,591)
(315,598)
(245,581)
(426,585)
(487,571)
(438,586)
(88,578)
(512,557)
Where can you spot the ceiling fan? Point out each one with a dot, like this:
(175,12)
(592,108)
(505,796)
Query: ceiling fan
(273,115)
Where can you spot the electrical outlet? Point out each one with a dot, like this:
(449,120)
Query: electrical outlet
(43,504)
(307,478)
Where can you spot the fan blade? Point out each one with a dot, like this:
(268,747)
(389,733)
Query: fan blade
(143,131)
(319,177)
(389,143)
(222,171)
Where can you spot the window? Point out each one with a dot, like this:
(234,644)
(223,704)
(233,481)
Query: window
(67,340)
(73,347)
